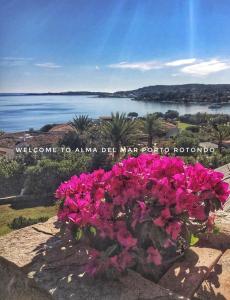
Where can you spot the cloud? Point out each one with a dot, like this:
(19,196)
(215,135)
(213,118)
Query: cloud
(190,66)
(207,67)
(141,66)
(48,65)
(10,61)
(181,62)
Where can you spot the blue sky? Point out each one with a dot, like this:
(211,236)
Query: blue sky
(108,45)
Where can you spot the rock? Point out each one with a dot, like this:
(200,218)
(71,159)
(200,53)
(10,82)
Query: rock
(21,246)
(217,285)
(36,263)
(220,240)
(48,227)
(185,277)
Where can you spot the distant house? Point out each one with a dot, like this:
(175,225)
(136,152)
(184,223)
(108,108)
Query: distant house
(7,153)
(172,132)
(208,145)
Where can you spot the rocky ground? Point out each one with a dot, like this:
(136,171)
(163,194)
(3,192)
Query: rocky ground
(37,264)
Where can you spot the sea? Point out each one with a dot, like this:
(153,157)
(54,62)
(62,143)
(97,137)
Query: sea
(19,113)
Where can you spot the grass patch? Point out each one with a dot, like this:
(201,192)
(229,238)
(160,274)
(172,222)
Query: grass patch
(7,214)
(183,126)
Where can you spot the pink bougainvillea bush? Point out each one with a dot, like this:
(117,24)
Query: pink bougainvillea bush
(140,213)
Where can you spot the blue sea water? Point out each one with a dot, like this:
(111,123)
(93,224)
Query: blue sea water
(23,112)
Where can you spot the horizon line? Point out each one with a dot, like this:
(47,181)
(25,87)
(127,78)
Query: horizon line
(111,92)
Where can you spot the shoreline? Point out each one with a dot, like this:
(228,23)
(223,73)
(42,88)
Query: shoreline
(98,96)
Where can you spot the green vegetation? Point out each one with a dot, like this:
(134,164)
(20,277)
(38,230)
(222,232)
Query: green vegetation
(8,214)
(39,175)
(204,118)
(47,127)
(43,179)
(212,161)
(187,140)
(11,177)
(120,131)
(133,115)
(81,123)
(183,125)
(21,222)
(72,140)
(171,114)
(152,127)
(185,93)
(220,132)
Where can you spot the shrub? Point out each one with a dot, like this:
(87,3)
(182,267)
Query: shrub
(133,114)
(100,160)
(187,139)
(137,214)
(196,119)
(21,222)
(72,140)
(171,114)
(214,160)
(43,179)
(47,127)
(11,177)
(193,128)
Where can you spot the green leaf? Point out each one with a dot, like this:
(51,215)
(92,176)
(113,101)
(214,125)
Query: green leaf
(78,234)
(110,250)
(216,230)
(193,240)
(93,230)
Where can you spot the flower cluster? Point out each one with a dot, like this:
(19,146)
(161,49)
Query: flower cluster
(140,208)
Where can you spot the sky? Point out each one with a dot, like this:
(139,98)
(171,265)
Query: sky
(111,45)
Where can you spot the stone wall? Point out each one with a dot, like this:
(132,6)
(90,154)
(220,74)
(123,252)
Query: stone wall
(37,264)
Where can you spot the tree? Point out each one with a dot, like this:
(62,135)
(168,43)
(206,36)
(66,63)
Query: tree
(171,114)
(72,140)
(221,119)
(81,123)
(151,126)
(187,139)
(220,133)
(133,114)
(119,131)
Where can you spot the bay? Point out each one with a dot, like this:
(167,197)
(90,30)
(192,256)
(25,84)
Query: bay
(18,113)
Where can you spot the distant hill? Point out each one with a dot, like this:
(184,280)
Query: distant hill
(205,93)
(185,93)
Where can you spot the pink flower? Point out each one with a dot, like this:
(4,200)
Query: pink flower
(121,261)
(159,222)
(174,229)
(165,215)
(154,256)
(122,201)
(125,238)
